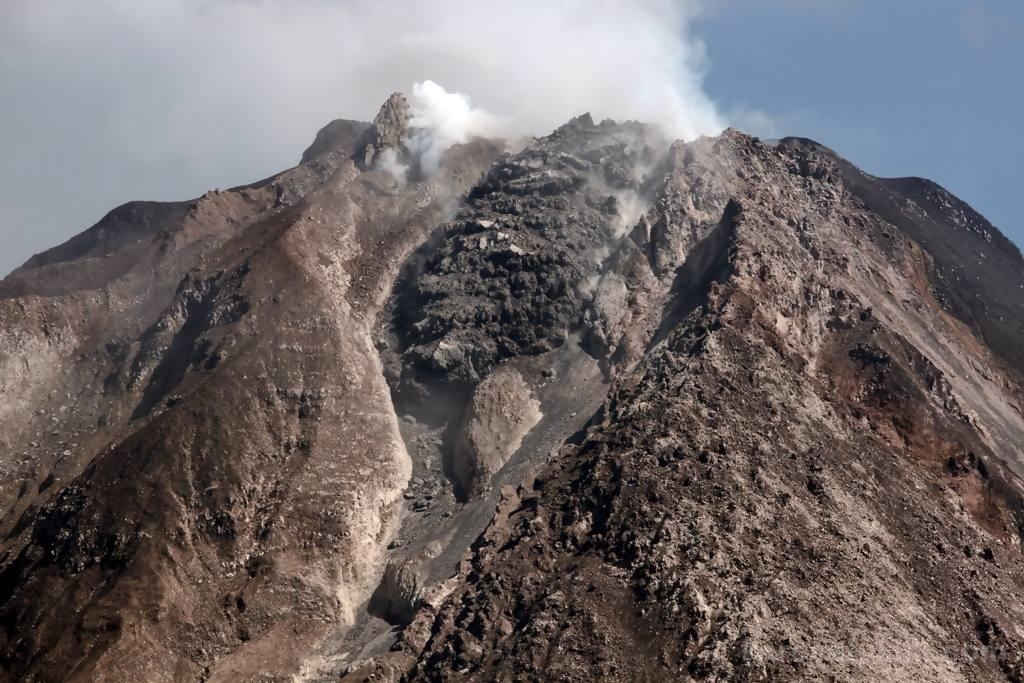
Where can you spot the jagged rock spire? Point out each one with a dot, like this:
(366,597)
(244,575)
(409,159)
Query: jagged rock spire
(387,132)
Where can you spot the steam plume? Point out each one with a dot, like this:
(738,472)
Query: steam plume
(441,119)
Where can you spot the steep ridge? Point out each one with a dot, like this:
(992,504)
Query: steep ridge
(601,406)
(974,270)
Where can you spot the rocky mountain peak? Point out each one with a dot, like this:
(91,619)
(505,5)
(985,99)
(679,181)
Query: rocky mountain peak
(340,136)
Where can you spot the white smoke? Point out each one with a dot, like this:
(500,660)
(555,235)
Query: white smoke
(539,63)
(440,119)
(172,97)
(388,161)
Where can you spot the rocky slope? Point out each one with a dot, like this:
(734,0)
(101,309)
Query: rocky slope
(604,406)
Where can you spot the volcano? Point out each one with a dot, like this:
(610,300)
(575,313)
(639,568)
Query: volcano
(597,406)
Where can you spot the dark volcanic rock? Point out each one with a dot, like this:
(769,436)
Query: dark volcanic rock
(513,274)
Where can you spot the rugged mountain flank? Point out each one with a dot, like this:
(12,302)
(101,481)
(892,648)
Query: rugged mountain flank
(599,406)
(809,476)
(202,465)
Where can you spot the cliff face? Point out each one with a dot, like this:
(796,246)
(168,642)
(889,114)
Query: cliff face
(604,406)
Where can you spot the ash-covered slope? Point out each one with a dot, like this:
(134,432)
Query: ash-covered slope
(603,406)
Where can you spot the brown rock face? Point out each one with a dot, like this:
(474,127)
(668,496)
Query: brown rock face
(501,412)
(604,408)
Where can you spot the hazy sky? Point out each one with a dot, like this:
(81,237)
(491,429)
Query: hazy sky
(103,101)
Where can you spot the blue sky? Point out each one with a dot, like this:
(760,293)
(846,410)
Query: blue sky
(931,88)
